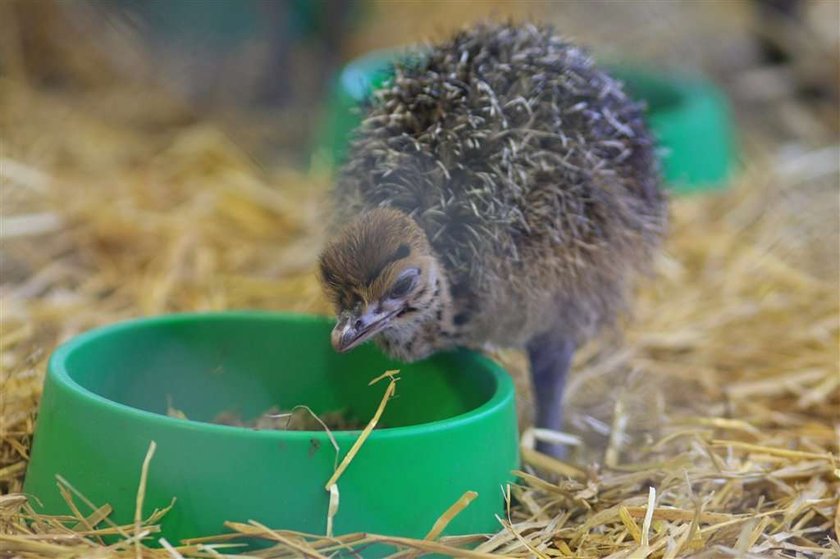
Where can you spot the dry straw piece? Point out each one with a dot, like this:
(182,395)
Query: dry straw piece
(709,429)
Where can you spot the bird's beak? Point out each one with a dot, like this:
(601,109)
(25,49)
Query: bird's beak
(354,329)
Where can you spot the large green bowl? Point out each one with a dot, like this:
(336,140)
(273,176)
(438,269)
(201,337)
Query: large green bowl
(689,115)
(451,428)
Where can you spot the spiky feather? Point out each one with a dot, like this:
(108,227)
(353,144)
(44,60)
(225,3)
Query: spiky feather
(530,170)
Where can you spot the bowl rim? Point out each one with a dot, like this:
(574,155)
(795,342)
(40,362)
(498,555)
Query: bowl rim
(57,373)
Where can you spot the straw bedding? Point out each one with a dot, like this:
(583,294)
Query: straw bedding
(708,428)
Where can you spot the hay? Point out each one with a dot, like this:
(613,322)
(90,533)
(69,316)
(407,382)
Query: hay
(299,418)
(357,444)
(709,429)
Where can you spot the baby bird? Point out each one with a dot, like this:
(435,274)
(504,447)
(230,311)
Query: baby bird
(501,191)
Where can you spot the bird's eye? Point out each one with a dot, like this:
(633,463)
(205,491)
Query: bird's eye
(403,286)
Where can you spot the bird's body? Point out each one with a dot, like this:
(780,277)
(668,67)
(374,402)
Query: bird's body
(522,178)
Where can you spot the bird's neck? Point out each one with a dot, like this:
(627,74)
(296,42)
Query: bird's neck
(441,322)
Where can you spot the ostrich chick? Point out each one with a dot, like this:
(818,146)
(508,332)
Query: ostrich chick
(503,192)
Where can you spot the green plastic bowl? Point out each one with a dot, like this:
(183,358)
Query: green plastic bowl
(690,117)
(451,428)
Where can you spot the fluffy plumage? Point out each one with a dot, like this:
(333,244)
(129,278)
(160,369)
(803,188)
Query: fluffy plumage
(530,173)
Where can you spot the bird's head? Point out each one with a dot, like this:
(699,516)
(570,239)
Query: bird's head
(381,274)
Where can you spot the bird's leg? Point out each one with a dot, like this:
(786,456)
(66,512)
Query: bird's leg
(550,355)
